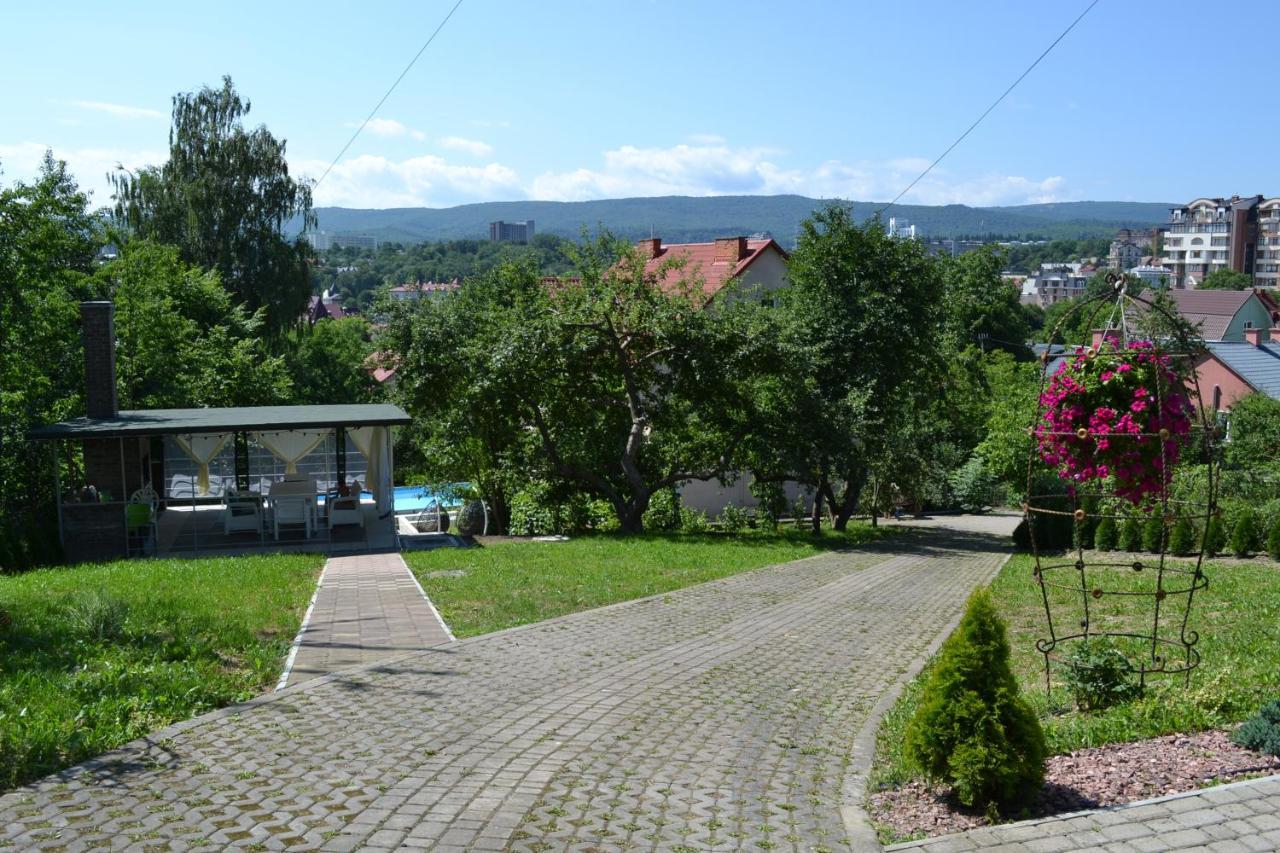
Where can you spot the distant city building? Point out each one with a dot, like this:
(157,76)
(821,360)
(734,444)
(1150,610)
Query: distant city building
(1056,282)
(901,228)
(324,307)
(511,232)
(1125,253)
(414,291)
(760,266)
(1155,276)
(1211,234)
(954,248)
(320,241)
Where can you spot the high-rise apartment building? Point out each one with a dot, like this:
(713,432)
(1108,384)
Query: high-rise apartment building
(511,232)
(1212,234)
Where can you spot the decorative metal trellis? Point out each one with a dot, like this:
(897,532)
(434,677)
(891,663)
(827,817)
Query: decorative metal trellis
(1076,588)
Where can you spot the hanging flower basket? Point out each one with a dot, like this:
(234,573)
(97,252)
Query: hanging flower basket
(1119,413)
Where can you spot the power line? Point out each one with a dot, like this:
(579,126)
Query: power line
(378,105)
(995,104)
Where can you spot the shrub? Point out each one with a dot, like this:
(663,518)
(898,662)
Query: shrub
(1098,675)
(98,615)
(1244,536)
(530,516)
(693,520)
(972,730)
(1131,534)
(664,511)
(971,485)
(1215,538)
(1153,533)
(734,518)
(1273,539)
(1104,538)
(1261,733)
(1087,529)
(1182,540)
(772,498)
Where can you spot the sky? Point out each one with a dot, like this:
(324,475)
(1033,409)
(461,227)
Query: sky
(566,100)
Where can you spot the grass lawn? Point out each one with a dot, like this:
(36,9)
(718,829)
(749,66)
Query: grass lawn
(98,655)
(513,583)
(1237,617)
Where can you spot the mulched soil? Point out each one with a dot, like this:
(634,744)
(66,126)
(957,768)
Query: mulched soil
(1085,779)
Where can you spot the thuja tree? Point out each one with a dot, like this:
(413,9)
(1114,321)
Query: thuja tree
(224,197)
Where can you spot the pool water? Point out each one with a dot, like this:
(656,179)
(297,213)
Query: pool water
(414,498)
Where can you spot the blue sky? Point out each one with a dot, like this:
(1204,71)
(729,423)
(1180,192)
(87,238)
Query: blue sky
(570,99)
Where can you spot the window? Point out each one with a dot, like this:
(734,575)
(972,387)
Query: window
(1217,398)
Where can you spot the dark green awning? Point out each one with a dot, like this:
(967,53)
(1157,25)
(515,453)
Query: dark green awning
(185,421)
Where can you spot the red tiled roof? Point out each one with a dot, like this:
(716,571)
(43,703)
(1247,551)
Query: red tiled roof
(700,260)
(427,287)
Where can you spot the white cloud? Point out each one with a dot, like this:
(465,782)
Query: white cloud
(471,146)
(118,110)
(383,127)
(427,181)
(89,166)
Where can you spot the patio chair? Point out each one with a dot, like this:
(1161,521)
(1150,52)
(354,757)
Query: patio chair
(293,509)
(241,512)
(140,516)
(345,509)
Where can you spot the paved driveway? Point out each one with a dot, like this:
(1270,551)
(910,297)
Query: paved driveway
(718,716)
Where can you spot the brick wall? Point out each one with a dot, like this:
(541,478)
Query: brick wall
(98,321)
(92,533)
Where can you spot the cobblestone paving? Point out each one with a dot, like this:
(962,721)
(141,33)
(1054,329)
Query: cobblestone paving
(1235,818)
(718,716)
(368,608)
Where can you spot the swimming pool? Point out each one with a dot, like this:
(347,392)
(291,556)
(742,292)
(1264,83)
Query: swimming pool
(416,498)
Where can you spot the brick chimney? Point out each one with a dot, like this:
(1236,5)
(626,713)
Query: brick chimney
(1096,337)
(1255,336)
(730,249)
(649,248)
(98,322)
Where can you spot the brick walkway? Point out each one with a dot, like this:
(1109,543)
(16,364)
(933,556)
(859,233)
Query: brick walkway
(716,716)
(368,608)
(1235,818)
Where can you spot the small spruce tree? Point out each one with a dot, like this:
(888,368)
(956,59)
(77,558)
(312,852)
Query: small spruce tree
(1104,538)
(1153,533)
(1244,536)
(1215,538)
(1182,541)
(1273,539)
(972,730)
(1131,534)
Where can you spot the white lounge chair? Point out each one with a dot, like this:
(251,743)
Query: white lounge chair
(241,512)
(345,509)
(293,509)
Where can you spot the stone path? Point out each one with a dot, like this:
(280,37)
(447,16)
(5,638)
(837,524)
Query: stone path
(719,716)
(1234,818)
(367,608)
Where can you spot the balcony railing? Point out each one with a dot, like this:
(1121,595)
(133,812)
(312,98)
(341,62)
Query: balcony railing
(1200,228)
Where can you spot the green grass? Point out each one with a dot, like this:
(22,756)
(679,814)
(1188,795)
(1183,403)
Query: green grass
(98,655)
(514,583)
(1237,617)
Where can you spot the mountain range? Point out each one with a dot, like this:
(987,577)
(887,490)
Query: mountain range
(686,219)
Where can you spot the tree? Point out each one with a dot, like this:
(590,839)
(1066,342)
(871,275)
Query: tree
(181,342)
(1255,432)
(1012,389)
(1226,279)
(328,362)
(980,308)
(224,198)
(48,241)
(860,341)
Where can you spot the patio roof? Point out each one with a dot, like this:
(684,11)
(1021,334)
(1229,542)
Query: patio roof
(184,421)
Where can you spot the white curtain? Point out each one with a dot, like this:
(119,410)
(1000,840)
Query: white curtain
(202,448)
(374,443)
(291,445)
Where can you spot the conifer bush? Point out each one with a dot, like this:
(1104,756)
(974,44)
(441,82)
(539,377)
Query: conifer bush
(1182,540)
(1273,539)
(1131,534)
(1261,733)
(972,730)
(1104,538)
(1244,536)
(1215,538)
(1153,533)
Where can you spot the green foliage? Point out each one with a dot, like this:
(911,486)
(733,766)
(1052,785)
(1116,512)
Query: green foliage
(1098,675)
(531,515)
(1182,540)
(1273,538)
(971,485)
(1153,533)
(1004,448)
(664,511)
(972,730)
(1245,538)
(1106,537)
(223,197)
(981,308)
(329,362)
(1215,538)
(734,518)
(1226,279)
(693,520)
(1131,534)
(1255,435)
(1261,733)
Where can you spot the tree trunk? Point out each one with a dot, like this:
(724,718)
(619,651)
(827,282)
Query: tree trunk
(631,513)
(816,515)
(852,491)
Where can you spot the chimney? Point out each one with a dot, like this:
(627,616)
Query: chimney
(98,322)
(730,249)
(1253,335)
(1096,338)
(649,248)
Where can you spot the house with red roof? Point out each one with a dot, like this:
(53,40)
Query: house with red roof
(759,265)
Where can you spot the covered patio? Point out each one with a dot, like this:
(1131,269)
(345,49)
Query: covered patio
(230,480)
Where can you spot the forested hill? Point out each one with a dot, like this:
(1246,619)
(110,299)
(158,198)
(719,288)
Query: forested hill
(683,218)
